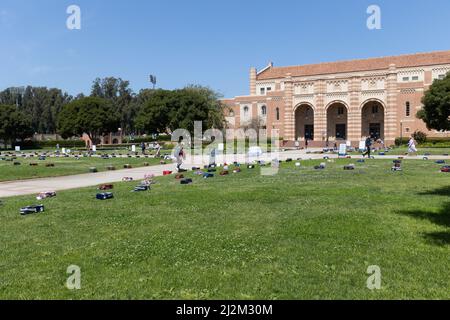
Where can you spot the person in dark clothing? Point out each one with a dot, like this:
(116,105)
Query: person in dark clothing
(143,147)
(368,147)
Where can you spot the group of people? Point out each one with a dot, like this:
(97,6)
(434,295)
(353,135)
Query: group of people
(412,149)
(156,147)
(180,154)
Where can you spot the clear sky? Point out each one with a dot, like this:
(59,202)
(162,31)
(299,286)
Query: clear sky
(207,42)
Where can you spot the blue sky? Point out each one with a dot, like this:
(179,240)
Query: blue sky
(205,42)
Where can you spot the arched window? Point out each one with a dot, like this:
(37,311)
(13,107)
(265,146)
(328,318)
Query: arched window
(278,114)
(408,109)
(246,112)
(263,110)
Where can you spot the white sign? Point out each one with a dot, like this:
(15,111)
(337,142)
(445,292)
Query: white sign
(221,146)
(17,149)
(362,145)
(63,150)
(94,148)
(342,149)
(133,148)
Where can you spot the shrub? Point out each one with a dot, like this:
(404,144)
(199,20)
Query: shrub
(29,144)
(401,141)
(420,137)
(137,140)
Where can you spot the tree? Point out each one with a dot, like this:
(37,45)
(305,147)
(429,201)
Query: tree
(120,95)
(154,114)
(41,103)
(196,103)
(91,115)
(436,101)
(166,111)
(14,124)
(256,124)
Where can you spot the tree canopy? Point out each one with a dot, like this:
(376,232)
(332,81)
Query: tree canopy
(150,111)
(14,124)
(166,111)
(121,97)
(91,115)
(436,101)
(41,103)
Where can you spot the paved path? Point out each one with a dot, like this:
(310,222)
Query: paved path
(34,186)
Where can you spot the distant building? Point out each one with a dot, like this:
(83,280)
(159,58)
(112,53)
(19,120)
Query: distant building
(108,139)
(341,101)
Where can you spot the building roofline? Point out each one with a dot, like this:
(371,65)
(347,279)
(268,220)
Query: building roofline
(386,59)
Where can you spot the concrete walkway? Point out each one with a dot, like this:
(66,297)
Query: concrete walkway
(34,186)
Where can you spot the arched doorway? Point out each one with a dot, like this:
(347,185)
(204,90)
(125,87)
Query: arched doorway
(337,121)
(304,122)
(372,120)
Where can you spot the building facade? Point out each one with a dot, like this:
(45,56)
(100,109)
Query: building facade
(340,101)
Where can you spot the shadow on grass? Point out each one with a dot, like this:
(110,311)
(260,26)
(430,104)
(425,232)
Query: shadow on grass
(441,218)
(445,191)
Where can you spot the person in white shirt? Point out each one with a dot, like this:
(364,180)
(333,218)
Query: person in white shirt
(412,146)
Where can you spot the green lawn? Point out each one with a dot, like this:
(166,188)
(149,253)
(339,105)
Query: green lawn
(302,234)
(64,166)
(421,151)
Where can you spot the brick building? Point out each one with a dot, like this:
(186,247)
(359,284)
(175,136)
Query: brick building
(341,101)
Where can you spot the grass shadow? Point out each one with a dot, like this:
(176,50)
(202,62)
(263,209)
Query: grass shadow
(441,218)
(445,191)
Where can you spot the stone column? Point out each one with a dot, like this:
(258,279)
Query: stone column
(289,116)
(320,114)
(391,129)
(253,73)
(354,114)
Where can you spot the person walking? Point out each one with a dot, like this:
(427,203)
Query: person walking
(180,154)
(368,147)
(143,148)
(158,150)
(412,146)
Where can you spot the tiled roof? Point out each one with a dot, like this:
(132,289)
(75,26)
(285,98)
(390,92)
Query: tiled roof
(372,64)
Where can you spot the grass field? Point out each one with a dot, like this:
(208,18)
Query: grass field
(64,166)
(302,234)
(421,151)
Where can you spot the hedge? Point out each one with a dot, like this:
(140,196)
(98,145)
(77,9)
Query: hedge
(28,144)
(161,138)
(431,142)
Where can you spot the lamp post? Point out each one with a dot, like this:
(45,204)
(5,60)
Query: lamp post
(401,133)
